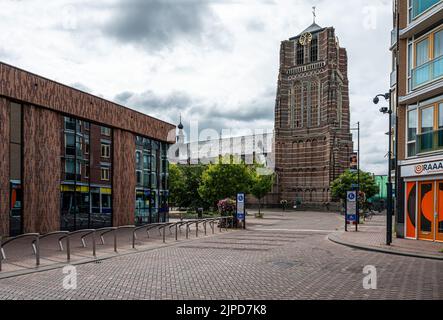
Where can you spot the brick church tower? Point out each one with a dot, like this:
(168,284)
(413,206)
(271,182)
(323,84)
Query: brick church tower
(313,142)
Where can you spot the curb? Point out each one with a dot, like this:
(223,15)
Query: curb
(336,240)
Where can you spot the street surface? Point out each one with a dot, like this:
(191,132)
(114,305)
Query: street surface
(284,256)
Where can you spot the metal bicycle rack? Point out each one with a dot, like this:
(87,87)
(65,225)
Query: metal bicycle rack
(26,235)
(60,243)
(85,233)
(100,233)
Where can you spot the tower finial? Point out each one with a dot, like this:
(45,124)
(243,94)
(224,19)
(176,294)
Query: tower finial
(313,12)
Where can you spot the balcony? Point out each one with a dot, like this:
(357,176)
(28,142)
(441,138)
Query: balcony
(430,141)
(427,73)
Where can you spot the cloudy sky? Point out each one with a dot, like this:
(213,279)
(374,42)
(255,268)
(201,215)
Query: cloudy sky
(213,61)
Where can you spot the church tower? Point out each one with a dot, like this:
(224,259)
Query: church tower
(313,142)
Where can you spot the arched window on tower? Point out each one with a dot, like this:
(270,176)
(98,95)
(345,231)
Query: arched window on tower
(300,54)
(314,49)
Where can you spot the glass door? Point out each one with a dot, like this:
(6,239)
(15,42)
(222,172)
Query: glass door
(426,211)
(439,222)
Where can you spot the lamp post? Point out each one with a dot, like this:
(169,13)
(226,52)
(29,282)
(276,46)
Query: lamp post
(388,110)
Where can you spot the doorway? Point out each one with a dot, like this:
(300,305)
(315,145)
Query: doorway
(426,210)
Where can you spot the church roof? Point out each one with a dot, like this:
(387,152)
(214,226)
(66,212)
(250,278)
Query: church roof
(312,29)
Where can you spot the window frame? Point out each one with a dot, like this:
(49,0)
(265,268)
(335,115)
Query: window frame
(107,150)
(435,105)
(106,177)
(430,37)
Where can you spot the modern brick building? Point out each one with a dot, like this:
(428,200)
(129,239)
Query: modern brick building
(70,160)
(313,142)
(417,97)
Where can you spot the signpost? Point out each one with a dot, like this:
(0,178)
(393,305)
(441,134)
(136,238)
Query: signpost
(241,210)
(351,209)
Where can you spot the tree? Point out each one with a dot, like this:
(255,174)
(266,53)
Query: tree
(184,181)
(344,183)
(261,186)
(220,181)
(176,185)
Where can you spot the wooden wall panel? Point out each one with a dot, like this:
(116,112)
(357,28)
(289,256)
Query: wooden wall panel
(123,178)
(41,169)
(4,167)
(36,90)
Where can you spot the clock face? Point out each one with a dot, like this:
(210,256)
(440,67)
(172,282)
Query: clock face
(305,38)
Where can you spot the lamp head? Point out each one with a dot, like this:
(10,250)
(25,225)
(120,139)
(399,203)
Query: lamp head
(376,100)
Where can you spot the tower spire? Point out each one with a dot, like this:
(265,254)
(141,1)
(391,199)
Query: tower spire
(314,13)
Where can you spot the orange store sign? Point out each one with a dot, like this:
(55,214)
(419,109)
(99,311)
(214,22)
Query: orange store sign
(423,169)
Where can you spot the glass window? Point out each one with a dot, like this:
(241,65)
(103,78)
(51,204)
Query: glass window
(145,161)
(420,6)
(412,125)
(300,54)
(314,50)
(137,157)
(422,52)
(139,177)
(427,119)
(438,44)
(70,123)
(105,131)
(106,150)
(105,174)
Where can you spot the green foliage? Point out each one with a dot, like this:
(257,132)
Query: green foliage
(222,181)
(344,183)
(176,185)
(184,181)
(261,185)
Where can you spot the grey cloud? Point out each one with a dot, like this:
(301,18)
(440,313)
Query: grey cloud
(256,26)
(81,86)
(170,107)
(156,24)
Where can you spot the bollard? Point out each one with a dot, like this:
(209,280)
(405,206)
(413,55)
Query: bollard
(187,231)
(164,234)
(37,251)
(204,225)
(68,248)
(93,245)
(176,236)
(220,224)
(115,240)
(196,229)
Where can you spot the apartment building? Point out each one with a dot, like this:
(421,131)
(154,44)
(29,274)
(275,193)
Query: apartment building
(417,97)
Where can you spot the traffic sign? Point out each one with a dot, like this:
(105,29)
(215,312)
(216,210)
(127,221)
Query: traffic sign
(241,206)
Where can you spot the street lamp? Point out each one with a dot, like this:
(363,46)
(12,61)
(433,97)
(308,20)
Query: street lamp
(388,110)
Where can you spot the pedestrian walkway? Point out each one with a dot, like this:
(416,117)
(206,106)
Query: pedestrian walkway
(20,255)
(372,236)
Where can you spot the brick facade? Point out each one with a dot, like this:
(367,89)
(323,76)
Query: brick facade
(313,142)
(44,105)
